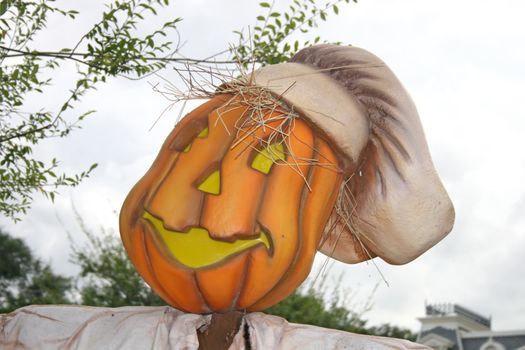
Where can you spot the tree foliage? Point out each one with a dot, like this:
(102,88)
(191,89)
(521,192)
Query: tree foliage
(392,331)
(272,40)
(309,306)
(115,46)
(325,307)
(111,47)
(107,277)
(25,279)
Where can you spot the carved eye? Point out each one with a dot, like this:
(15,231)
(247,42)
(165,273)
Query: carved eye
(212,184)
(202,135)
(264,159)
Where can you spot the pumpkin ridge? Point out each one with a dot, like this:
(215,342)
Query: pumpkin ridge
(166,295)
(242,285)
(152,194)
(194,120)
(178,184)
(169,259)
(237,176)
(157,184)
(249,257)
(217,165)
(198,291)
(168,145)
(170,168)
(128,220)
(300,242)
(157,240)
(289,175)
(220,285)
(295,275)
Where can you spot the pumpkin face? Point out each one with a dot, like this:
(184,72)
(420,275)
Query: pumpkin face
(231,212)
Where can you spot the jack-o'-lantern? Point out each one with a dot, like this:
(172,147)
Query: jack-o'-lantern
(223,217)
(323,153)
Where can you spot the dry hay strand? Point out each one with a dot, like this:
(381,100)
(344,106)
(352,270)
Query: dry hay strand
(344,220)
(265,114)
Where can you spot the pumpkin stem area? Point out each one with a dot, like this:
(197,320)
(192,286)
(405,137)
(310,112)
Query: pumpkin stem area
(219,334)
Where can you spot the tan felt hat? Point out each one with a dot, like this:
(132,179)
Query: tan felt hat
(401,207)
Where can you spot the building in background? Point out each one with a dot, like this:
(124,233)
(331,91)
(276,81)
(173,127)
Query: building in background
(453,327)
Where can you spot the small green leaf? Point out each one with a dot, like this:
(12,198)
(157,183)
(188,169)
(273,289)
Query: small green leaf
(4,5)
(264,4)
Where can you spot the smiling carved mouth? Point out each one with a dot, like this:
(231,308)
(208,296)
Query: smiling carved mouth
(196,249)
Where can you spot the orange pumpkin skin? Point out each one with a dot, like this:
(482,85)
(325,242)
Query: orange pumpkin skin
(291,203)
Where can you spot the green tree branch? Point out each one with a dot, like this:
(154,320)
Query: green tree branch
(113,47)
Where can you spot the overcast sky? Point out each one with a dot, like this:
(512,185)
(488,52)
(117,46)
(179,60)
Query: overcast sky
(463,63)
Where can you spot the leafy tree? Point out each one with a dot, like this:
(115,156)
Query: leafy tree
(107,277)
(113,47)
(388,330)
(309,307)
(109,48)
(25,279)
(272,39)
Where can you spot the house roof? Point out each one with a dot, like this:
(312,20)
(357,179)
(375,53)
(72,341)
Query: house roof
(448,334)
(454,327)
(460,340)
(509,342)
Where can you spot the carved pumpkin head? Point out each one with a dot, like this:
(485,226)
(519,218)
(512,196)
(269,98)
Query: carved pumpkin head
(250,184)
(231,212)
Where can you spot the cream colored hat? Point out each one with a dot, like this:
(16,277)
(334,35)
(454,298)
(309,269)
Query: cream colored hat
(401,207)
